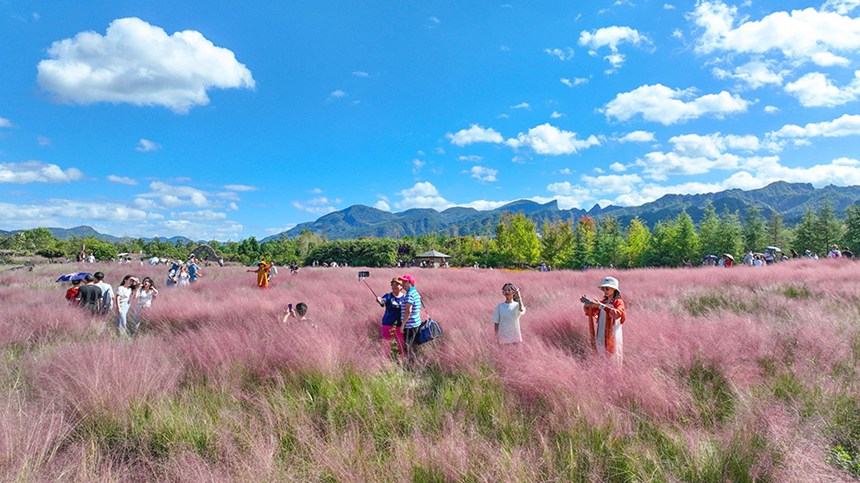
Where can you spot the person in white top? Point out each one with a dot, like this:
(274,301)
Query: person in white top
(122,301)
(107,292)
(506,317)
(146,294)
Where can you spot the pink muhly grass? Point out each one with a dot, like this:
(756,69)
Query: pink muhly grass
(30,437)
(105,377)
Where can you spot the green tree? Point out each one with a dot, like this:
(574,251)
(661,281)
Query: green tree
(660,252)
(830,229)
(638,238)
(852,228)
(517,240)
(610,246)
(776,231)
(583,243)
(731,234)
(709,232)
(557,242)
(685,240)
(805,237)
(755,234)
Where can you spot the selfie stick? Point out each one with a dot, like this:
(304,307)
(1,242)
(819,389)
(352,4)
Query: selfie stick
(368,286)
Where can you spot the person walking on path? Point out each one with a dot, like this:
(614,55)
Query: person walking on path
(262,272)
(605,319)
(411,314)
(506,316)
(392,325)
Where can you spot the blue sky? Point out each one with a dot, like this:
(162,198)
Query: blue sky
(225,120)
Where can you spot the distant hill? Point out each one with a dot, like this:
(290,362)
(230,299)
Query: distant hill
(789,199)
(84,231)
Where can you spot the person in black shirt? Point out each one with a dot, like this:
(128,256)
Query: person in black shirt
(90,295)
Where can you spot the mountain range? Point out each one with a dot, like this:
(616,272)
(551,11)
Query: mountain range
(791,200)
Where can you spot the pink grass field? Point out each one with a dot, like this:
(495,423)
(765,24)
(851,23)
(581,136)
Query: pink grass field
(216,387)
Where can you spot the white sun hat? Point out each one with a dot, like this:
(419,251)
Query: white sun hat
(611,282)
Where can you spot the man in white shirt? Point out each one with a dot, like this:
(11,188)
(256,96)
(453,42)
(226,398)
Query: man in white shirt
(107,292)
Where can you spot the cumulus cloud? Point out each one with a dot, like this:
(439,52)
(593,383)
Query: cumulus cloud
(815,36)
(637,137)
(64,212)
(475,134)
(612,37)
(361,74)
(482,173)
(37,172)
(816,90)
(561,54)
(121,180)
(522,105)
(422,195)
(320,205)
(846,125)
(612,183)
(382,205)
(574,82)
(754,74)
(5,122)
(548,139)
(662,104)
(140,64)
(164,195)
(146,146)
(240,187)
(841,7)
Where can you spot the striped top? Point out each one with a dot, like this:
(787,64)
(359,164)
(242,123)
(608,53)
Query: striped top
(413,299)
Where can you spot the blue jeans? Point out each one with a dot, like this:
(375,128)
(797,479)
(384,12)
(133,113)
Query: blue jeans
(121,319)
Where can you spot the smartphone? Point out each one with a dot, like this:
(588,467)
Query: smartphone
(363,274)
(290,307)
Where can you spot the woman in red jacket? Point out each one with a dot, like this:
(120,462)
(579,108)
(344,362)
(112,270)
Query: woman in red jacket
(605,319)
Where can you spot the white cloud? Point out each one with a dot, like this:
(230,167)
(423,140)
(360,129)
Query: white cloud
(611,37)
(712,145)
(471,158)
(201,215)
(617,167)
(421,195)
(612,183)
(37,172)
(475,134)
(556,115)
(771,109)
(121,180)
(661,104)
(754,74)
(841,7)
(846,125)
(482,173)
(800,35)
(382,205)
(240,187)
(417,164)
(574,82)
(360,73)
(43,141)
(318,206)
(522,105)
(337,94)
(5,122)
(561,54)
(815,90)
(147,146)
(548,139)
(164,195)
(637,137)
(138,63)
(668,6)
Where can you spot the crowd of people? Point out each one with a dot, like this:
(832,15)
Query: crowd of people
(98,297)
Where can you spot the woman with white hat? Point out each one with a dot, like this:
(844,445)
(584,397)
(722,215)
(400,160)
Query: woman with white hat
(605,319)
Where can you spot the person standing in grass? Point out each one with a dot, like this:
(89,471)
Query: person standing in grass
(506,316)
(605,319)
(411,315)
(72,292)
(144,297)
(90,295)
(122,301)
(262,272)
(391,321)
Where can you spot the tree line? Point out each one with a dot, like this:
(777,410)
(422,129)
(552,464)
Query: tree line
(516,241)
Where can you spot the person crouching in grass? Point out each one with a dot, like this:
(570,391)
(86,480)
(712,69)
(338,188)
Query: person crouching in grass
(506,317)
(605,319)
